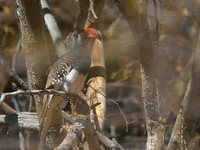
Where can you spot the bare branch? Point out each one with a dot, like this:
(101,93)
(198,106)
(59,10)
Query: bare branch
(73,133)
(189,113)
(33,44)
(31,92)
(108,143)
(95,12)
(17,51)
(29,120)
(91,9)
(14,77)
(96,80)
(25,120)
(7,109)
(90,135)
(83,15)
(53,29)
(82,105)
(135,14)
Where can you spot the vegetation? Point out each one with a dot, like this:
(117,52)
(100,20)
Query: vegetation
(143,81)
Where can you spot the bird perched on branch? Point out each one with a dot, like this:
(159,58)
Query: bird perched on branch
(68,73)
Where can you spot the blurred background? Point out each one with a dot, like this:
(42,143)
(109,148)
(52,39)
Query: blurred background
(178,24)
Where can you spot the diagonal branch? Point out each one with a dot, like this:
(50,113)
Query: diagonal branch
(53,29)
(97,74)
(83,15)
(13,76)
(189,114)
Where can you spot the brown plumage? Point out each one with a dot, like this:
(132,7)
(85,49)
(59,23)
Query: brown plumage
(68,73)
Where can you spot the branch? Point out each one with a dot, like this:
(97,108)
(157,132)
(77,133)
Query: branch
(90,135)
(13,76)
(135,14)
(113,145)
(35,50)
(91,9)
(83,15)
(7,109)
(96,76)
(82,20)
(25,120)
(82,106)
(96,80)
(73,132)
(33,44)
(53,29)
(16,54)
(29,120)
(31,92)
(95,12)
(189,113)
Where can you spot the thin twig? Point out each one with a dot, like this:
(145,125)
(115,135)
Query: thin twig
(14,77)
(61,93)
(91,9)
(31,92)
(15,56)
(17,80)
(22,143)
(113,101)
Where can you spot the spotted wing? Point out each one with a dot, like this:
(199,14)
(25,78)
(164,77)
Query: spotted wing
(59,70)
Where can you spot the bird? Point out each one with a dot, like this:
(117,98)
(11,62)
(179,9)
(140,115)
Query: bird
(68,73)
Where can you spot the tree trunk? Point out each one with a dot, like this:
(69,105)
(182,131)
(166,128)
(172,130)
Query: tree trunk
(187,121)
(134,12)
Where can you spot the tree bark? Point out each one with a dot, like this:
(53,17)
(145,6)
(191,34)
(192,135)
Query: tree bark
(187,121)
(97,83)
(134,12)
(33,43)
(35,50)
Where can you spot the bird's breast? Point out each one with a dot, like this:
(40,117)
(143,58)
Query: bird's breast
(74,82)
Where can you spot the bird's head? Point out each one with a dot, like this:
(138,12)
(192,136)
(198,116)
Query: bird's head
(93,33)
